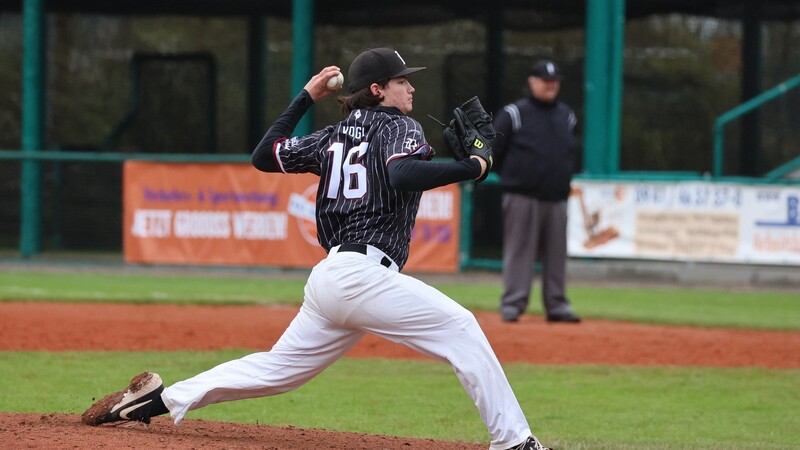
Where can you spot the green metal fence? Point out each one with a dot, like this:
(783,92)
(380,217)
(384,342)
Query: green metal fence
(744,108)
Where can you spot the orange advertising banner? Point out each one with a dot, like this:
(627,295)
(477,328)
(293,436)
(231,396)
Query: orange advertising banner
(232,214)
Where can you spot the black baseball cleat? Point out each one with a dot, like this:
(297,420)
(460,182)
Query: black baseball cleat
(568,317)
(510,314)
(530,444)
(139,401)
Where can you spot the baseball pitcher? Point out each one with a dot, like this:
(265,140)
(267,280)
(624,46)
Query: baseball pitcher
(373,167)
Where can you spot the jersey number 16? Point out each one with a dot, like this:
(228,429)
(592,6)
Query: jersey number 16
(349,168)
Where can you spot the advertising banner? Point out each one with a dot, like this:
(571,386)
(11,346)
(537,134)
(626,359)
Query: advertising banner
(685,221)
(232,214)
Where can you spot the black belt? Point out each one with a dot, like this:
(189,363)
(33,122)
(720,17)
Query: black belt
(362,248)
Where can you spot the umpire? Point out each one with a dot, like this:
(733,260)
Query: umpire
(534,154)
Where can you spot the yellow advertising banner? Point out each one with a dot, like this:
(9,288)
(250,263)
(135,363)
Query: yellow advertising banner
(232,214)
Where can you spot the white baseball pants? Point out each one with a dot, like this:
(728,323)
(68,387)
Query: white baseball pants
(347,295)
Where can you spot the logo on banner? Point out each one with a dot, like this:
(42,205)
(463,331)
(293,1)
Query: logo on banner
(791,217)
(780,234)
(303,208)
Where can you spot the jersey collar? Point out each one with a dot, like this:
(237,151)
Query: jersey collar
(389,110)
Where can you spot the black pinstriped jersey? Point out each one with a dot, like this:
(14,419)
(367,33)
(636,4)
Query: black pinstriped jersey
(355,201)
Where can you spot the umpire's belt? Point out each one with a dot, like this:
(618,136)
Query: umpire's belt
(370,251)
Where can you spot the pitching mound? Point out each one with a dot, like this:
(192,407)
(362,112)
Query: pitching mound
(65,431)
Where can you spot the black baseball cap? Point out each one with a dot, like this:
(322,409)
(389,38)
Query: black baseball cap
(547,69)
(377,64)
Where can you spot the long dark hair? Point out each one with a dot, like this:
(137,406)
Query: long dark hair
(362,99)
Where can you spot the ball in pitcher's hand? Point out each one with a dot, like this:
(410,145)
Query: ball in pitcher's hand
(336,82)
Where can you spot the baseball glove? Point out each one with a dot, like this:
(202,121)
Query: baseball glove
(471,133)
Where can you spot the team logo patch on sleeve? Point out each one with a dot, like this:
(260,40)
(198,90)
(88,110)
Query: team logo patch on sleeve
(410,144)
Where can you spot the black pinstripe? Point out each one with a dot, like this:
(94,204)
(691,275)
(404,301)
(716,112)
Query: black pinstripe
(383,216)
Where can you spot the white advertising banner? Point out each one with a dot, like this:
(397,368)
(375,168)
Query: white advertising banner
(685,221)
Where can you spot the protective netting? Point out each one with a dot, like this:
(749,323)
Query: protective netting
(174,92)
(680,73)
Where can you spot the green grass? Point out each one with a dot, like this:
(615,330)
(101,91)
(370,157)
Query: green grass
(190,289)
(748,309)
(575,407)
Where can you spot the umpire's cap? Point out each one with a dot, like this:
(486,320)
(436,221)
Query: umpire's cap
(377,64)
(546,69)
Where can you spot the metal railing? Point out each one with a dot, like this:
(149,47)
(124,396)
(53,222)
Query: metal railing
(744,108)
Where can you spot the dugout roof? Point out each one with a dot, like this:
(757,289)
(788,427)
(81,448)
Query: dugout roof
(517,14)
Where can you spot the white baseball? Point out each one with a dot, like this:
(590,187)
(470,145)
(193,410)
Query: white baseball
(336,82)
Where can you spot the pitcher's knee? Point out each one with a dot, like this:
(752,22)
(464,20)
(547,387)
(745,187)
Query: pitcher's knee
(466,318)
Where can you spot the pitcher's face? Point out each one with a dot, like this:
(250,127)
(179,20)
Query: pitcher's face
(398,93)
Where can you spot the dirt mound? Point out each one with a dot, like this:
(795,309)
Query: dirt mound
(65,431)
